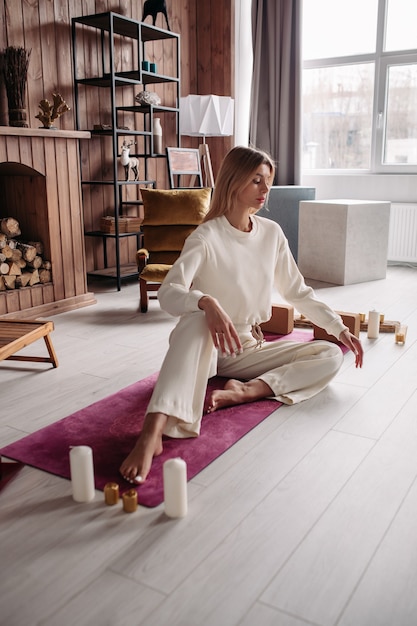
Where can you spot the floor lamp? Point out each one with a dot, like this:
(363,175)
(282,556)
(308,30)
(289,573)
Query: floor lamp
(206,116)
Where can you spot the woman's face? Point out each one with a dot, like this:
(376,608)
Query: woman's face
(254,193)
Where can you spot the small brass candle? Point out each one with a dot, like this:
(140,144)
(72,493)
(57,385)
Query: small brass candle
(381,318)
(111,493)
(130,501)
(362,317)
(400,333)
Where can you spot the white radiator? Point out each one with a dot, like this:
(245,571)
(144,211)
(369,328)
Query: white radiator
(402,239)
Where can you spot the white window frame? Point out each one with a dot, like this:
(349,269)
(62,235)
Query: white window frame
(383,61)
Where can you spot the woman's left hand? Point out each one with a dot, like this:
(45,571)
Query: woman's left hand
(353,343)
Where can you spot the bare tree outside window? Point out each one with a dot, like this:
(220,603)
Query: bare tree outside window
(360,85)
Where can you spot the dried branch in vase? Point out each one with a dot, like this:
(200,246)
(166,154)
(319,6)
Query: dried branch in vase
(15,62)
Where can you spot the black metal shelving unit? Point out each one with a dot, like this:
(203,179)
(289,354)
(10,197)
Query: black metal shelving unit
(109,32)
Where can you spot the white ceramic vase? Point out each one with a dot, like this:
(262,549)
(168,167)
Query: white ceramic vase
(157,135)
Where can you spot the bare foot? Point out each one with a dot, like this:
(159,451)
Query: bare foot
(237,392)
(135,468)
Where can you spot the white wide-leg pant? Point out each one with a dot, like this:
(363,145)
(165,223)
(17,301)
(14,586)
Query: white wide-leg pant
(294,371)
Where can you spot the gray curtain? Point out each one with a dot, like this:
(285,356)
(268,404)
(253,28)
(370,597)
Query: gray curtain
(276,85)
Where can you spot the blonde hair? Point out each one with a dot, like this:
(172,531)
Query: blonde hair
(236,170)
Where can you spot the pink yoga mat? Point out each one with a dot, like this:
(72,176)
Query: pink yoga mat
(111,426)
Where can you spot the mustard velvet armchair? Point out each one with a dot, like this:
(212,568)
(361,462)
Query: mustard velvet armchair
(169,217)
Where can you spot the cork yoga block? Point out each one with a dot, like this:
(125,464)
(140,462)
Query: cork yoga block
(282,320)
(351,320)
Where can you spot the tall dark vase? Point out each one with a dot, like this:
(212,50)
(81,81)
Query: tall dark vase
(18,117)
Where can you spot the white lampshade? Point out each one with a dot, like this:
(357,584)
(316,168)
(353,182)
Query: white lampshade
(206,116)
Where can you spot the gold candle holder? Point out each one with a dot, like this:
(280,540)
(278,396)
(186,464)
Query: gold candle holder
(362,317)
(111,493)
(130,501)
(400,333)
(381,318)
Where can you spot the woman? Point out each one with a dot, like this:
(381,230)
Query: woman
(221,288)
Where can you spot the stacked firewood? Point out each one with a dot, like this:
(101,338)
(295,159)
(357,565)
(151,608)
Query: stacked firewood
(21,262)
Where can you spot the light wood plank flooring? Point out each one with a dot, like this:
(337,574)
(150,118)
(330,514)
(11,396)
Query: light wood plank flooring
(310,519)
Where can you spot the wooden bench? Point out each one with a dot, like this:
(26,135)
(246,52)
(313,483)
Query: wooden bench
(17,334)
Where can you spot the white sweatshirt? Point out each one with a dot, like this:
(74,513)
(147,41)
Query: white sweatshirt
(241,270)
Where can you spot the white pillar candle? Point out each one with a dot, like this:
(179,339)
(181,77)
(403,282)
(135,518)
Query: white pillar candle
(373,324)
(175,487)
(82,473)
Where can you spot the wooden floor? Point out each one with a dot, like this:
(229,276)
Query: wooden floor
(309,519)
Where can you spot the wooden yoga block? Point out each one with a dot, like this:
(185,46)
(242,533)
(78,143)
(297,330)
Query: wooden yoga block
(282,320)
(351,320)
(17,334)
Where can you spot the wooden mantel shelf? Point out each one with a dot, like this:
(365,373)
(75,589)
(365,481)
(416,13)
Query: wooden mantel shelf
(44,132)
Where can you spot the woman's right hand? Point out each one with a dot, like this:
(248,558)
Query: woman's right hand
(221,327)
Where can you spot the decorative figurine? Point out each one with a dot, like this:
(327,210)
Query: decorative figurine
(152,8)
(50,112)
(128,162)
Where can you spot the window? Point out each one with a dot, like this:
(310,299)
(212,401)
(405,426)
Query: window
(360,85)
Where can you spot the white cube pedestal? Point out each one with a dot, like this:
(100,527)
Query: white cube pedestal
(343,241)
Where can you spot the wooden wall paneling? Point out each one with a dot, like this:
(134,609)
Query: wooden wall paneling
(48,45)
(25,150)
(90,113)
(89,242)
(48,293)
(12,301)
(62,181)
(36,296)
(14,23)
(85,148)
(13,151)
(214,52)
(186,26)
(3,152)
(204,53)
(220,34)
(3,303)
(51,173)
(38,155)
(125,8)
(32,33)
(76,217)
(64,78)
(25,298)
(102,163)
(101,6)
(129,53)
(185,23)
(88,7)
(163,55)
(95,112)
